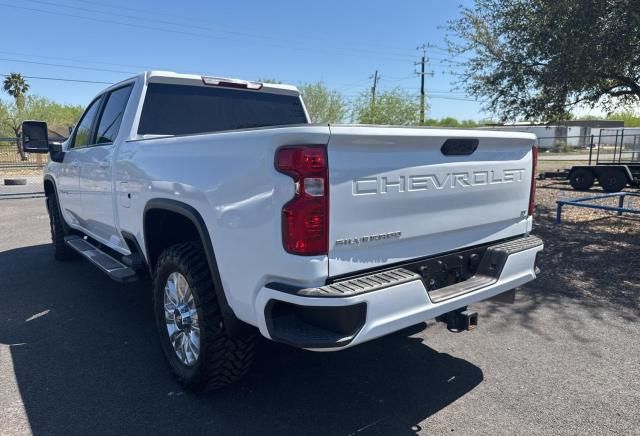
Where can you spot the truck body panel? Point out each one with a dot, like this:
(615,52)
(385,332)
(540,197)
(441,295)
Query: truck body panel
(394,195)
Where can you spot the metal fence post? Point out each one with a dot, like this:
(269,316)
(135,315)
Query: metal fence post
(621,204)
(559,213)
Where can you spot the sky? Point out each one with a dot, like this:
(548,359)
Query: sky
(291,41)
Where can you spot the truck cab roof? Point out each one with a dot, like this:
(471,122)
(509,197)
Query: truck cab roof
(159,76)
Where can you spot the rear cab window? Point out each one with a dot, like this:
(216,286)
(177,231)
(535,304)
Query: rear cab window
(171,109)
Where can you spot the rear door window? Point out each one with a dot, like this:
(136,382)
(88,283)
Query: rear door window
(183,109)
(111,117)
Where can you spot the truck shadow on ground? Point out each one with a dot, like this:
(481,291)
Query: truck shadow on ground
(87,360)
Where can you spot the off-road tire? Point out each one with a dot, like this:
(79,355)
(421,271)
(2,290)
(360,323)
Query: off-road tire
(223,359)
(581,179)
(61,250)
(612,180)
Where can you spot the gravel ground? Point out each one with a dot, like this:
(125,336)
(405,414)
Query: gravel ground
(78,353)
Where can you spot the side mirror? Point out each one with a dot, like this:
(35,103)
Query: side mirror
(55,151)
(35,137)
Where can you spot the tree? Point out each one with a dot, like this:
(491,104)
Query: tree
(323,104)
(16,86)
(539,59)
(58,116)
(452,122)
(267,80)
(631,119)
(395,106)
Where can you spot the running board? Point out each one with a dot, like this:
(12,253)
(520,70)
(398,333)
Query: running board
(112,267)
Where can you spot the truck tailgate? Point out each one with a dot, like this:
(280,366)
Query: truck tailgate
(395,196)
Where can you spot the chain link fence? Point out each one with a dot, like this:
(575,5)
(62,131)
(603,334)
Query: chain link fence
(10,156)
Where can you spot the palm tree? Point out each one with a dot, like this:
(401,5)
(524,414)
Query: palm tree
(16,86)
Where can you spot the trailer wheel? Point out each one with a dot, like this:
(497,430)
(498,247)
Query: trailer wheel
(581,179)
(612,180)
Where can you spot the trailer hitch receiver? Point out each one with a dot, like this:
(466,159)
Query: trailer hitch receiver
(460,320)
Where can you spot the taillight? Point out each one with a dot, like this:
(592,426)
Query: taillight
(305,219)
(532,193)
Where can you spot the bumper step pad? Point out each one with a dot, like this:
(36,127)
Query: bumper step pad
(360,285)
(488,272)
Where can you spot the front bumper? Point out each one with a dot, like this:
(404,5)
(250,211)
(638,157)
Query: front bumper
(353,311)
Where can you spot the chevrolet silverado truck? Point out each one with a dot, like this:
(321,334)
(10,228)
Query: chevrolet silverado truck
(250,220)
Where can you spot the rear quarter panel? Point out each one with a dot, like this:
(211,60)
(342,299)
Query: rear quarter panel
(230,179)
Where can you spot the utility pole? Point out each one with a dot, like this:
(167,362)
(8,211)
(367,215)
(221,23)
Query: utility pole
(422,63)
(375,78)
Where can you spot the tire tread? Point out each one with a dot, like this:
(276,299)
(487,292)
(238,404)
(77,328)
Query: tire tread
(61,250)
(228,358)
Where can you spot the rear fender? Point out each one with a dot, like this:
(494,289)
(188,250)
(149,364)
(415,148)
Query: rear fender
(234,325)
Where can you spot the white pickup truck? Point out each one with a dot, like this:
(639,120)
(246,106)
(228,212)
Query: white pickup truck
(248,218)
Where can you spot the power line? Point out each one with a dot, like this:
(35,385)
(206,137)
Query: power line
(174,23)
(133,17)
(447,91)
(66,66)
(84,61)
(451,98)
(120,6)
(190,24)
(104,20)
(396,57)
(62,79)
(356,82)
(398,79)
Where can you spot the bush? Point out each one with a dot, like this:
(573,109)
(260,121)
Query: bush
(561,146)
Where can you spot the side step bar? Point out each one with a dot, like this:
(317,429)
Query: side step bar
(112,267)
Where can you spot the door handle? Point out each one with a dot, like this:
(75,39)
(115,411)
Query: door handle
(75,163)
(105,164)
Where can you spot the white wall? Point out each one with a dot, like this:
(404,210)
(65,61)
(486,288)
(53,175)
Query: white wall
(546,134)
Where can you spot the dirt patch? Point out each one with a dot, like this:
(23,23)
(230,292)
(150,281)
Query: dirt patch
(593,255)
(20,172)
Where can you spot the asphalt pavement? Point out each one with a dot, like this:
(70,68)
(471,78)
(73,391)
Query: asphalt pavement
(79,355)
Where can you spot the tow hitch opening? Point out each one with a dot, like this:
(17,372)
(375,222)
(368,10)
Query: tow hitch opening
(460,320)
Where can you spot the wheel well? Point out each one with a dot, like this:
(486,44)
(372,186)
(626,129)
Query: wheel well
(164,228)
(167,222)
(49,189)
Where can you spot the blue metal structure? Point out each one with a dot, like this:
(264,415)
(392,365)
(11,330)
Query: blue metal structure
(583,202)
